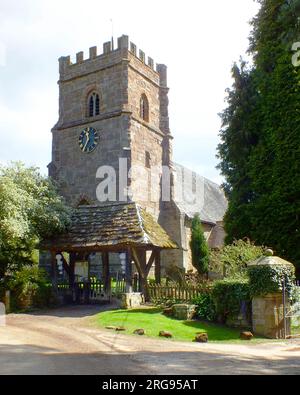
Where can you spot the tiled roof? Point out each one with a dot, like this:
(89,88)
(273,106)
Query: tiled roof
(210,201)
(111,226)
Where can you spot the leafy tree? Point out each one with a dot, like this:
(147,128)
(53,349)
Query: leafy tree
(232,259)
(199,247)
(30,209)
(260,148)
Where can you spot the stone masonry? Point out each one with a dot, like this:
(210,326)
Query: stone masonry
(121,77)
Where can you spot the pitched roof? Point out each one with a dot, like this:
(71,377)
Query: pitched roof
(270,261)
(210,201)
(111,226)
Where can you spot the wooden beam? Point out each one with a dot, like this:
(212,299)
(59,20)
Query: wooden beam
(157,267)
(140,262)
(54,270)
(65,264)
(150,262)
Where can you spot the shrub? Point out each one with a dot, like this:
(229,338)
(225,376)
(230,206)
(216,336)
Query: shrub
(199,247)
(196,280)
(228,296)
(233,259)
(205,307)
(267,279)
(30,283)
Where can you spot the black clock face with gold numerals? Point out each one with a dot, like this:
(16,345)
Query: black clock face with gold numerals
(88,140)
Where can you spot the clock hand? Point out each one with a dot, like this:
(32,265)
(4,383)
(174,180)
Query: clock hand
(87,141)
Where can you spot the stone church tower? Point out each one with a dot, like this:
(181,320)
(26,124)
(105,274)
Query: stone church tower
(113,114)
(112,106)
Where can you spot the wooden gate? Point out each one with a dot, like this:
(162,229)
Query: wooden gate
(85,292)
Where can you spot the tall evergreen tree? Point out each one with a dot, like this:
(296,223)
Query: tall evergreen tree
(269,177)
(239,135)
(199,247)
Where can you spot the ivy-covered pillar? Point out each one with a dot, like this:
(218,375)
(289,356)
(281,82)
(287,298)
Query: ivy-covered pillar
(271,282)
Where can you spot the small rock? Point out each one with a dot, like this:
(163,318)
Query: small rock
(246,336)
(120,329)
(201,338)
(111,327)
(139,332)
(168,312)
(168,335)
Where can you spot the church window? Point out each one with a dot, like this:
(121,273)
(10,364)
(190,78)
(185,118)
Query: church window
(144,108)
(94,105)
(97,105)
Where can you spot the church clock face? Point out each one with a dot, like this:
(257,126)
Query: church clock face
(88,140)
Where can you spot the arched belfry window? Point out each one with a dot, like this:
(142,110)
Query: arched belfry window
(93,104)
(144,108)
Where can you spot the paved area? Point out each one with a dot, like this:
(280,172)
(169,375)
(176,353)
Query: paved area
(63,341)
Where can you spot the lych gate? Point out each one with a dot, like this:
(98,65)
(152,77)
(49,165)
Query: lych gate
(115,228)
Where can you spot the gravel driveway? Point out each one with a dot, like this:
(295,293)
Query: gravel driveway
(63,341)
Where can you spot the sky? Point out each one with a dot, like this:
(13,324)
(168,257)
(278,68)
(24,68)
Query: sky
(198,40)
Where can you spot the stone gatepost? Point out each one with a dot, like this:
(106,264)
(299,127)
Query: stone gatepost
(268,315)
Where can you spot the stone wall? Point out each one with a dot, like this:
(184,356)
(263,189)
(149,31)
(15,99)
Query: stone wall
(172,220)
(217,236)
(146,182)
(120,77)
(76,170)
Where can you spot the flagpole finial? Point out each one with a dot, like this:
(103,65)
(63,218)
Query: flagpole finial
(112,34)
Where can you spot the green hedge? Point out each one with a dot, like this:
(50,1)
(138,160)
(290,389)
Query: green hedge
(228,296)
(269,279)
(205,307)
(224,301)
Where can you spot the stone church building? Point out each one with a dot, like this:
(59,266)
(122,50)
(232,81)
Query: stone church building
(113,130)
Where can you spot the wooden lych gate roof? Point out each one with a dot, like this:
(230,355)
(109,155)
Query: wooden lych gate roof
(110,227)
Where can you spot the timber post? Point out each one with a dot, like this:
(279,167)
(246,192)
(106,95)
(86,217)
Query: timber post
(157,267)
(128,271)
(106,273)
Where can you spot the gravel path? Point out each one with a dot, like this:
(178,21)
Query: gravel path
(63,341)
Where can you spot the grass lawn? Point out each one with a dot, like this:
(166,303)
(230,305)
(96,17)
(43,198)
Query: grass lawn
(153,321)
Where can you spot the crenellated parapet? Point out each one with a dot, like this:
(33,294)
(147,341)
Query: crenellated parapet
(109,55)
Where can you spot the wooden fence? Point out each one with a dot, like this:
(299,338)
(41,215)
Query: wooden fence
(174,293)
